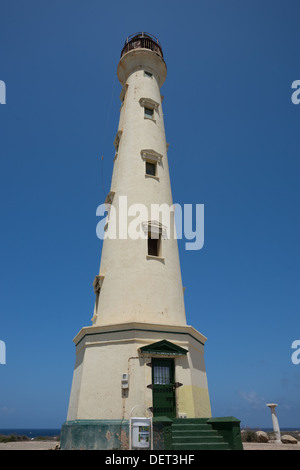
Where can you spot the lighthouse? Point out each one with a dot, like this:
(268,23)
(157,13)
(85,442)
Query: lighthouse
(139,349)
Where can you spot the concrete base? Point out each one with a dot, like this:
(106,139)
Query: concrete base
(114,434)
(109,434)
(95,434)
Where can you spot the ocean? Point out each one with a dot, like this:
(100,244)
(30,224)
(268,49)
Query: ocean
(52,432)
(31,433)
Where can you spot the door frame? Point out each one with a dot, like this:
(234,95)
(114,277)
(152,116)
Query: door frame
(167,391)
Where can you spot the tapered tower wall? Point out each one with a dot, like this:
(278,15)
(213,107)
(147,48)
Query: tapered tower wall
(137,287)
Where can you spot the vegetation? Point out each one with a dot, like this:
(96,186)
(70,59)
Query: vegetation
(248,435)
(14,438)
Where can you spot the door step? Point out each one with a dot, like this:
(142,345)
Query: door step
(196,434)
(202,446)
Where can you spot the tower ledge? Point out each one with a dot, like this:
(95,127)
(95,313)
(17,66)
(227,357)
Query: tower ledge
(175,330)
(142,59)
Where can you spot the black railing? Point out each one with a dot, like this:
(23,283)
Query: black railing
(142,41)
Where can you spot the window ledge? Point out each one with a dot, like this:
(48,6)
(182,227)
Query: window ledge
(97,284)
(159,258)
(117,140)
(109,197)
(152,176)
(149,103)
(150,119)
(151,155)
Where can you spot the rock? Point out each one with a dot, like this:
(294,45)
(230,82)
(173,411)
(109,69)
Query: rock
(261,436)
(286,439)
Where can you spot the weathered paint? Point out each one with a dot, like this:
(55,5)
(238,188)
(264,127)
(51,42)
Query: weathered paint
(94,435)
(114,434)
(194,401)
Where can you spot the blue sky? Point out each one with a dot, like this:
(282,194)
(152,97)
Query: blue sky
(234,147)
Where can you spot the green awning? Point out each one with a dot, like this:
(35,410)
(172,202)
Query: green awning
(163,348)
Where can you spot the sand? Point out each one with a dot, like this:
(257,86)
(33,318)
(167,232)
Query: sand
(29,445)
(270,446)
(53,445)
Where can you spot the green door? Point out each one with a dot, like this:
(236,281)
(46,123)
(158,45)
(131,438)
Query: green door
(163,388)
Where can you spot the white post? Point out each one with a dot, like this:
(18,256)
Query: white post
(272,407)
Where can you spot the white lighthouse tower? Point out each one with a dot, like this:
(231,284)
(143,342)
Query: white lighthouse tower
(139,349)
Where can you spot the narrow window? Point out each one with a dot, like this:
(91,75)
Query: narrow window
(148,113)
(154,241)
(147,74)
(97,300)
(150,169)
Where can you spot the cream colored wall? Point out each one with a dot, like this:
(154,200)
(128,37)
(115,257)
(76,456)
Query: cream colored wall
(137,288)
(109,353)
(76,386)
(193,397)
(101,395)
(194,402)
